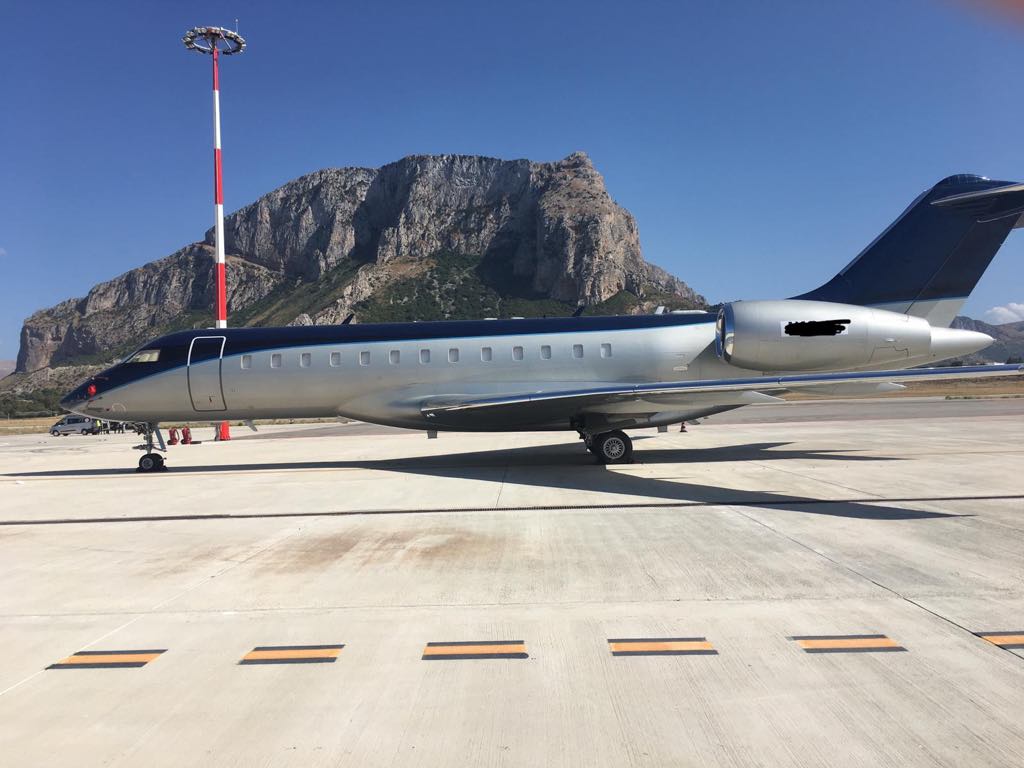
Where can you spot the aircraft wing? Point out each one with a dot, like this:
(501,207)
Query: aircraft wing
(542,405)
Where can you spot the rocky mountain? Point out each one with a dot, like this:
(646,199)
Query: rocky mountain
(427,237)
(6,366)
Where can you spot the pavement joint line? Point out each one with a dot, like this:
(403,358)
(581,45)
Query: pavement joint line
(501,487)
(803,476)
(460,606)
(864,576)
(781,502)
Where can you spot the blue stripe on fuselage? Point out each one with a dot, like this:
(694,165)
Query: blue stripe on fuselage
(259,339)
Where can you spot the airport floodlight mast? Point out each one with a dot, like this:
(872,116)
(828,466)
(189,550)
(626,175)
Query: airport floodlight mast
(217,42)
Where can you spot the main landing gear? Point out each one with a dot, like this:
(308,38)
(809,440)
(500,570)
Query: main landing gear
(151,460)
(613,447)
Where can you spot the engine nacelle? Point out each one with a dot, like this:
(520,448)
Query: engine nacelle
(796,335)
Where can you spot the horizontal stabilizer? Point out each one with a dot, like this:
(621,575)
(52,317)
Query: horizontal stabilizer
(987,204)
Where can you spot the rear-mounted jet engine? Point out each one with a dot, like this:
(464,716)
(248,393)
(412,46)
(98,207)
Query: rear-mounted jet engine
(797,335)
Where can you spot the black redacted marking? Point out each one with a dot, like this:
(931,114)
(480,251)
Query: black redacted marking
(293,654)
(475,649)
(120,659)
(816,328)
(846,643)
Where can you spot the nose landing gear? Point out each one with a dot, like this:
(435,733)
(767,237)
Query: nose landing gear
(152,461)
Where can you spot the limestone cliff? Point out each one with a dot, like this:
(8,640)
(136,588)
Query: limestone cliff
(409,240)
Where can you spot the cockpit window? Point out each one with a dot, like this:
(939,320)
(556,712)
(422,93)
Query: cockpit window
(144,356)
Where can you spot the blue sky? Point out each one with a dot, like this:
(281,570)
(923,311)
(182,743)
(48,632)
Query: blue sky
(760,145)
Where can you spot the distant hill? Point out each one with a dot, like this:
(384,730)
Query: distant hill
(6,366)
(1009,340)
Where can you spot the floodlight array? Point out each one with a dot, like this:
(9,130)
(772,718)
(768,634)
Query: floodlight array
(206,39)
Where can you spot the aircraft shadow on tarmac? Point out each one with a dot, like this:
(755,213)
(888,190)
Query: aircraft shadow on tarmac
(545,467)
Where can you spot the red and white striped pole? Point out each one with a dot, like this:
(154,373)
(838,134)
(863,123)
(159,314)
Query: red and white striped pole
(221,301)
(218,202)
(216,40)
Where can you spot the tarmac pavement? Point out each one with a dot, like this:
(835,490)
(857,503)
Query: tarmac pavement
(888,539)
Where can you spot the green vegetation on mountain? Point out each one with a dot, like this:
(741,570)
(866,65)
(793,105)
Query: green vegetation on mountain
(461,287)
(41,402)
(291,298)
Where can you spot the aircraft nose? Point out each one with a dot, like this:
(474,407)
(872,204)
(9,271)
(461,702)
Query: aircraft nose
(76,397)
(69,401)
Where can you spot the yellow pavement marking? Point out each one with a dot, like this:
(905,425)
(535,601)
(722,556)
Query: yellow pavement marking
(306,653)
(659,646)
(476,650)
(109,658)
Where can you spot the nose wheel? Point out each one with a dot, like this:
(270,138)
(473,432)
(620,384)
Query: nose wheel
(611,447)
(152,461)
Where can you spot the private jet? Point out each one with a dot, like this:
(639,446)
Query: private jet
(868,329)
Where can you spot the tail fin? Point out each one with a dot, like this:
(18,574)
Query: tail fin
(929,260)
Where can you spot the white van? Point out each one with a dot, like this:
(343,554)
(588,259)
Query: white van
(73,425)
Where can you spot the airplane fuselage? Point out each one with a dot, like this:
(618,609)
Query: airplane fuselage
(384,373)
(397,374)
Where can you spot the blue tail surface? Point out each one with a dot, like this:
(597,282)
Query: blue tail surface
(928,261)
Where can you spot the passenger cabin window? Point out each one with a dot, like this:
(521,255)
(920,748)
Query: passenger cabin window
(364,357)
(424,355)
(275,360)
(145,356)
(486,354)
(393,356)
(305,359)
(335,359)
(577,350)
(606,350)
(246,362)
(517,353)
(453,355)
(545,352)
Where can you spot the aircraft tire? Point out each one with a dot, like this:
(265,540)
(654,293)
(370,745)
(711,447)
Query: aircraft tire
(613,448)
(151,462)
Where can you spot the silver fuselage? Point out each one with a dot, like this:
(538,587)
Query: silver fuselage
(390,374)
(387,382)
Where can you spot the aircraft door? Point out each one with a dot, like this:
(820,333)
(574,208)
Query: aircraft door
(204,363)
